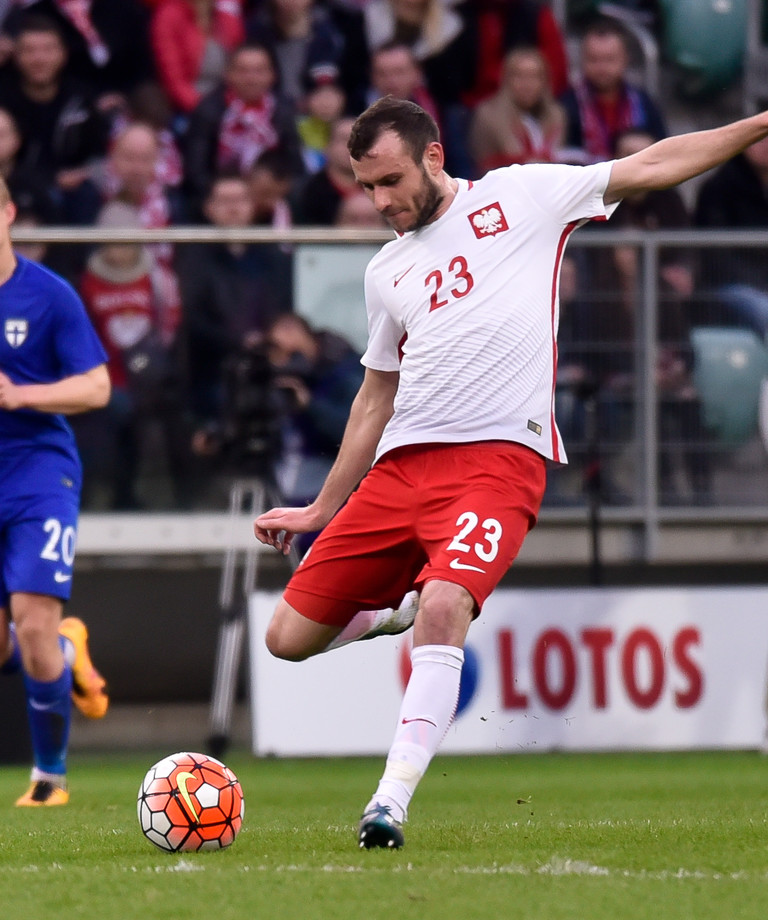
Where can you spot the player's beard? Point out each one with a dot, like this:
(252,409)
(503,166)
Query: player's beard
(427,201)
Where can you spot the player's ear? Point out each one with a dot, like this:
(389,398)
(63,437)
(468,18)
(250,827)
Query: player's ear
(434,158)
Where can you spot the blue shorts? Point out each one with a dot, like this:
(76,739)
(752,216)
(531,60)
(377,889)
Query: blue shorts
(39,505)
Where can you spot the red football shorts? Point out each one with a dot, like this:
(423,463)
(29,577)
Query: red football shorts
(457,512)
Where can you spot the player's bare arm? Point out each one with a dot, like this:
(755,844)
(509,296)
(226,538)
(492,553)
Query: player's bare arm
(371,410)
(676,159)
(71,395)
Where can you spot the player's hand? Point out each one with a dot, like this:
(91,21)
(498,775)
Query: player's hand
(10,397)
(279,526)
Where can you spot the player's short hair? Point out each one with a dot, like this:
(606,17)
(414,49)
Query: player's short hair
(5,194)
(415,127)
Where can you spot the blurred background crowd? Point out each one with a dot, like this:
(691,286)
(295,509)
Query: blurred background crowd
(130,114)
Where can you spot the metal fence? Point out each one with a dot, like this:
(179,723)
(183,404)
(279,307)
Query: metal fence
(645,452)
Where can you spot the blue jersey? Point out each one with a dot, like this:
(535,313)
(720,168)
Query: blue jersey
(46,336)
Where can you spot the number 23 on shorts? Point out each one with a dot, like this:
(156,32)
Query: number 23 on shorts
(475,541)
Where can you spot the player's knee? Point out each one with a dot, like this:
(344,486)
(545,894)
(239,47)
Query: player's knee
(282,644)
(445,614)
(31,633)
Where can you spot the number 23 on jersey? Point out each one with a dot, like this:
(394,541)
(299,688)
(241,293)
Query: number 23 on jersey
(455,283)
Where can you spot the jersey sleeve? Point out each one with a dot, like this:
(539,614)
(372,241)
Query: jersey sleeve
(571,193)
(78,347)
(384,333)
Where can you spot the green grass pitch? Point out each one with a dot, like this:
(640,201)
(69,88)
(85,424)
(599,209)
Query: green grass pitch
(550,837)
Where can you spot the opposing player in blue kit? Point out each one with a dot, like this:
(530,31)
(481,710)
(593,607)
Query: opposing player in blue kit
(51,365)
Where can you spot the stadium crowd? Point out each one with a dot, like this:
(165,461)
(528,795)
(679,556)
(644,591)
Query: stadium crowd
(235,113)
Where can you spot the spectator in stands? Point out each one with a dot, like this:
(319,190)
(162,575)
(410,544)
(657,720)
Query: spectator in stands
(190,43)
(240,119)
(270,181)
(107,42)
(395,71)
(303,41)
(603,104)
(735,197)
(319,374)
(148,104)
(134,305)
(521,123)
(28,190)
(63,132)
(318,199)
(131,175)
(323,105)
(354,64)
(604,322)
(230,293)
(445,49)
(499,26)
(357,210)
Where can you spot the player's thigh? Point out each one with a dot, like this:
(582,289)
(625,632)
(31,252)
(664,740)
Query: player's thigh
(365,559)
(39,546)
(294,637)
(479,516)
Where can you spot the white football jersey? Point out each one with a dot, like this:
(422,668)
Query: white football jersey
(466,308)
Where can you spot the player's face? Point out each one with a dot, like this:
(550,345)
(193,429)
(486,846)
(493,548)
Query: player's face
(7,216)
(407,194)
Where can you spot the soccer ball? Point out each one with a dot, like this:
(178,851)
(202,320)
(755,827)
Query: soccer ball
(190,802)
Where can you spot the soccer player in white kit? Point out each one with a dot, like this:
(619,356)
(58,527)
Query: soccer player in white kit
(454,421)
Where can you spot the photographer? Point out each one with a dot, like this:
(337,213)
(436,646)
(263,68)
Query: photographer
(318,373)
(286,399)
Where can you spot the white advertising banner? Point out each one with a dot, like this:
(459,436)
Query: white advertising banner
(567,669)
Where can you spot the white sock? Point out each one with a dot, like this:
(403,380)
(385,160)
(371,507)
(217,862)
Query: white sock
(368,623)
(56,779)
(426,713)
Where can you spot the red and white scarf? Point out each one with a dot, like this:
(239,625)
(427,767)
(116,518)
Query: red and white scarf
(78,12)
(597,136)
(246,131)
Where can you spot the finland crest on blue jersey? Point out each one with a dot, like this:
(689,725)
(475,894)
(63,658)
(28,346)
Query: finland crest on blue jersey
(16,332)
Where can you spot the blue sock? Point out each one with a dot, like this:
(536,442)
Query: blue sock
(13,664)
(49,707)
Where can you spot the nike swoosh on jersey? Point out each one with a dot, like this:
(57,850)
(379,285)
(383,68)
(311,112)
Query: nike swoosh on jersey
(61,577)
(428,721)
(400,277)
(455,564)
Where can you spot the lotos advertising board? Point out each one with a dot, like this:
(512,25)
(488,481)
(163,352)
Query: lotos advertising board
(566,669)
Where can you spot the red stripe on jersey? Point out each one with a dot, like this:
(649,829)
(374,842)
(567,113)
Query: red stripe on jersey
(470,183)
(400,346)
(558,260)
